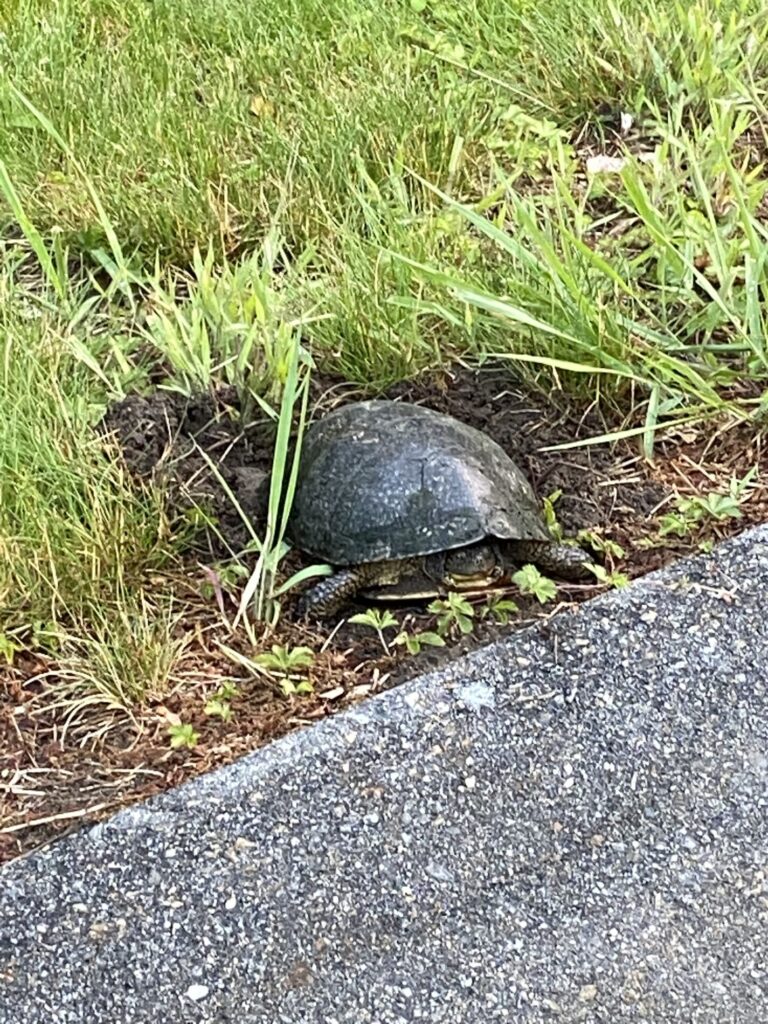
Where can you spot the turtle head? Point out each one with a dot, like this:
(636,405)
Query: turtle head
(472,566)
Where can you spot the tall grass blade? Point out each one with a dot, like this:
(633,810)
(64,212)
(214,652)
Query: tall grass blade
(32,235)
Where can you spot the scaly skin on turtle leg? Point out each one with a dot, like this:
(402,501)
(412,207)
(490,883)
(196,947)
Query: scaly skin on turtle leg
(570,563)
(331,593)
(327,596)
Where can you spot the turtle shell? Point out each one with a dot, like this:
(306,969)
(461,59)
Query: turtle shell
(388,480)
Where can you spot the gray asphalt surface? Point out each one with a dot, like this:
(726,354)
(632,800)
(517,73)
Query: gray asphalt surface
(571,825)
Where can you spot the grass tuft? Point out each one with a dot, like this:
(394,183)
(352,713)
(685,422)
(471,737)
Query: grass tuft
(74,531)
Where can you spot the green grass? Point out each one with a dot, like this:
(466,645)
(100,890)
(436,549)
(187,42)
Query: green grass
(199,189)
(74,530)
(79,544)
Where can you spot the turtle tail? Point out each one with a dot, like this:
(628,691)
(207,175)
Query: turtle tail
(564,560)
(327,596)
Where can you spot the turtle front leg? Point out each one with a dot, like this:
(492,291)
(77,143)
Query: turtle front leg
(327,596)
(563,560)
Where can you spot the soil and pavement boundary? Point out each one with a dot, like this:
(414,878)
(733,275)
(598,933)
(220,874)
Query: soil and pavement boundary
(570,825)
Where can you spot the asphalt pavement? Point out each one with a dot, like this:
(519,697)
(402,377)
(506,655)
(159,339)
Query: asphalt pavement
(569,825)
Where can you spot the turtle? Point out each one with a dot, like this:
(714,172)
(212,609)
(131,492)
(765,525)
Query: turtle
(406,502)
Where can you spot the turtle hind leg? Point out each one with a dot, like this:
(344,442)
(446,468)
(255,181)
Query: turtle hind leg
(564,560)
(327,596)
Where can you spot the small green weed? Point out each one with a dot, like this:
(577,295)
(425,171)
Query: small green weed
(414,642)
(618,580)
(695,511)
(183,736)
(550,516)
(499,608)
(294,687)
(530,581)
(454,614)
(287,666)
(378,620)
(9,648)
(285,661)
(219,706)
(595,540)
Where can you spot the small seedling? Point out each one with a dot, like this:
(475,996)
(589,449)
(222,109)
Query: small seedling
(288,665)
(453,612)
(9,648)
(696,510)
(45,636)
(378,620)
(598,543)
(675,524)
(611,579)
(219,705)
(218,709)
(499,608)
(550,516)
(183,736)
(722,506)
(285,661)
(291,687)
(413,642)
(531,581)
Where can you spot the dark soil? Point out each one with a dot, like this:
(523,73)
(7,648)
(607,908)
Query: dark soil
(164,440)
(49,785)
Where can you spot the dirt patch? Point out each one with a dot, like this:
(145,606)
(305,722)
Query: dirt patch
(197,449)
(49,786)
